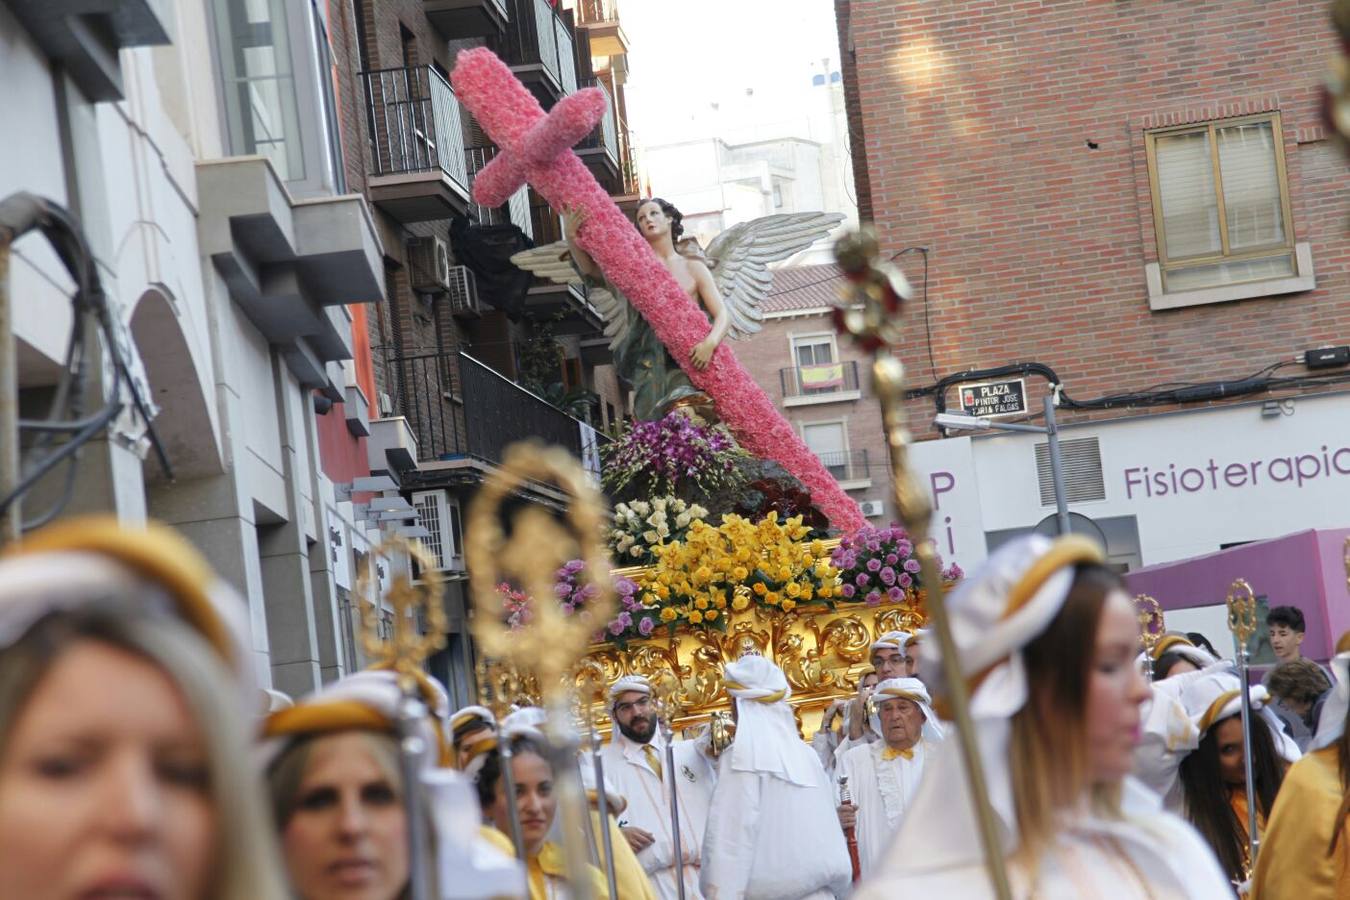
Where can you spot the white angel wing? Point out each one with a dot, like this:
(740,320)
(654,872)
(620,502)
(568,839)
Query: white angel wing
(739,259)
(554,262)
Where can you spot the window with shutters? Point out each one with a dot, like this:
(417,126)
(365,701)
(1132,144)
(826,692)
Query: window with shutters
(1221,208)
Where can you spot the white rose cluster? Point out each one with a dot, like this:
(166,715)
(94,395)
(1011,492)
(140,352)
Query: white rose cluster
(642,524)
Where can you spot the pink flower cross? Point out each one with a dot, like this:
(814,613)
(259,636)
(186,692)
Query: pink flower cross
(535,148)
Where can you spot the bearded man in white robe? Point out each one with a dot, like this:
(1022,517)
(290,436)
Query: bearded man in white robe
(882,776)
(635,764)
(771,833)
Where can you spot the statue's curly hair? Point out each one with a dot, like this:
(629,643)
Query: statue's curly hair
(676,217)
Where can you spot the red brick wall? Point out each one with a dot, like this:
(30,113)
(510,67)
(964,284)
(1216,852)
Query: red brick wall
(976,118)
(769,351)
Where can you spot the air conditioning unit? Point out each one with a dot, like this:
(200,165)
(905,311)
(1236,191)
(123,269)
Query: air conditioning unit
(429,264)
(871,508)
(463,294)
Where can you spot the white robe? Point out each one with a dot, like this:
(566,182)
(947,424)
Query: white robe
(626,768)
(1149,855)
(882,791)
(769,839)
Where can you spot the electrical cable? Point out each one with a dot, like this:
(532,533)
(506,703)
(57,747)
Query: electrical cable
(20,213)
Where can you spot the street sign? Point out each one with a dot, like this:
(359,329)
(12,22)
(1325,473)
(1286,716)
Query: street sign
(994,398)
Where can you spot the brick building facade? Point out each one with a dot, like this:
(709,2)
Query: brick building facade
(819,383)
(1136,195)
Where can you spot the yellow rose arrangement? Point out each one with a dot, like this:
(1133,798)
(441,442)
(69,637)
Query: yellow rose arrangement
(735,564)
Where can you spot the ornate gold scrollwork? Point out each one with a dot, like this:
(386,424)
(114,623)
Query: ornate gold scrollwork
(847,637)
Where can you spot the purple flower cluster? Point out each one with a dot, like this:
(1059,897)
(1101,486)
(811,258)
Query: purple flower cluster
(632,614)
(878,565)
(657,457)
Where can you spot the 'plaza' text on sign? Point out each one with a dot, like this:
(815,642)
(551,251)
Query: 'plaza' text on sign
(994,398)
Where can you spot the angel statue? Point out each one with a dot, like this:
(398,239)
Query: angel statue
(728,281)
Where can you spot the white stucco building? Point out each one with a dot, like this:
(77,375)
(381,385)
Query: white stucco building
(198,148)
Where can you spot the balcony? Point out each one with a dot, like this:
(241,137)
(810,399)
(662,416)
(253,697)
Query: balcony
(547,299)
(539,47)
(515,211)
(457,19)
(600,149)
(456,407)
(418,167)
(601,19)
(824,383)
(849,468)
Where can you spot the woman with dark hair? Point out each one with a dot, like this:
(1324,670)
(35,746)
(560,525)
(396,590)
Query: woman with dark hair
(659,384)
(1175,654)
(536,805)
(1047,640)
(1306,851)
(1213,775)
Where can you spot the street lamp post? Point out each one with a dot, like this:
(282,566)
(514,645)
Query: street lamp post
(1050,429)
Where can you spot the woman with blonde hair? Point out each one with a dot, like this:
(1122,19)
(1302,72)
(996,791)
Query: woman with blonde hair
(124,696)
(1047,639)
(340,801)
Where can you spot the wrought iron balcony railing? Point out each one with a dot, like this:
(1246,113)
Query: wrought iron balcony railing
(846,465)
(606,134)
(418,167)
(819,380)
(416,123)
(459,407)
(538,37)
(515,211)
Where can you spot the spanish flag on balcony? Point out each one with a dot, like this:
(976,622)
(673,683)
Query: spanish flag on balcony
(822,377)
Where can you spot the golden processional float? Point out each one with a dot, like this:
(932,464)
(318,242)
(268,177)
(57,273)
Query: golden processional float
(711,593)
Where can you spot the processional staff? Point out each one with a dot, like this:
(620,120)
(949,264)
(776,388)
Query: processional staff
(1151,628)
(551,643)
(592,689)
(414,607)
(667,689)
(1242,623)
(870,313)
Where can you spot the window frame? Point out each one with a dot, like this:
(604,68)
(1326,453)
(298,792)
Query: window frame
(842,422)
(1290,245)
(311,74)
(813,338)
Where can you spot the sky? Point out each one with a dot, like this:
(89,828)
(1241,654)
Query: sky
(737,69)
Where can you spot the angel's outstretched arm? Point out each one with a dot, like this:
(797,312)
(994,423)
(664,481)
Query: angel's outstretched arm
(572,222)
(711,298)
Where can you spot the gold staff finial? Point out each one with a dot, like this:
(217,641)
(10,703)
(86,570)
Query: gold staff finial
(1151,627)
(527,556)
(413,605)
(870,313)
(1241,611)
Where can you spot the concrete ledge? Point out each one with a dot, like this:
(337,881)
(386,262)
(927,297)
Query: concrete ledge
(1305,280)
(817,399)
(391,445)
(86,37)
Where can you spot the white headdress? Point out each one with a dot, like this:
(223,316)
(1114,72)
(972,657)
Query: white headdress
(892,640)
(468,868)
(908,689)
(1175,642)
(994,612)
(526,717)
(78,561)
(466,714)
(1215,696)
(767,741)
(627,684)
